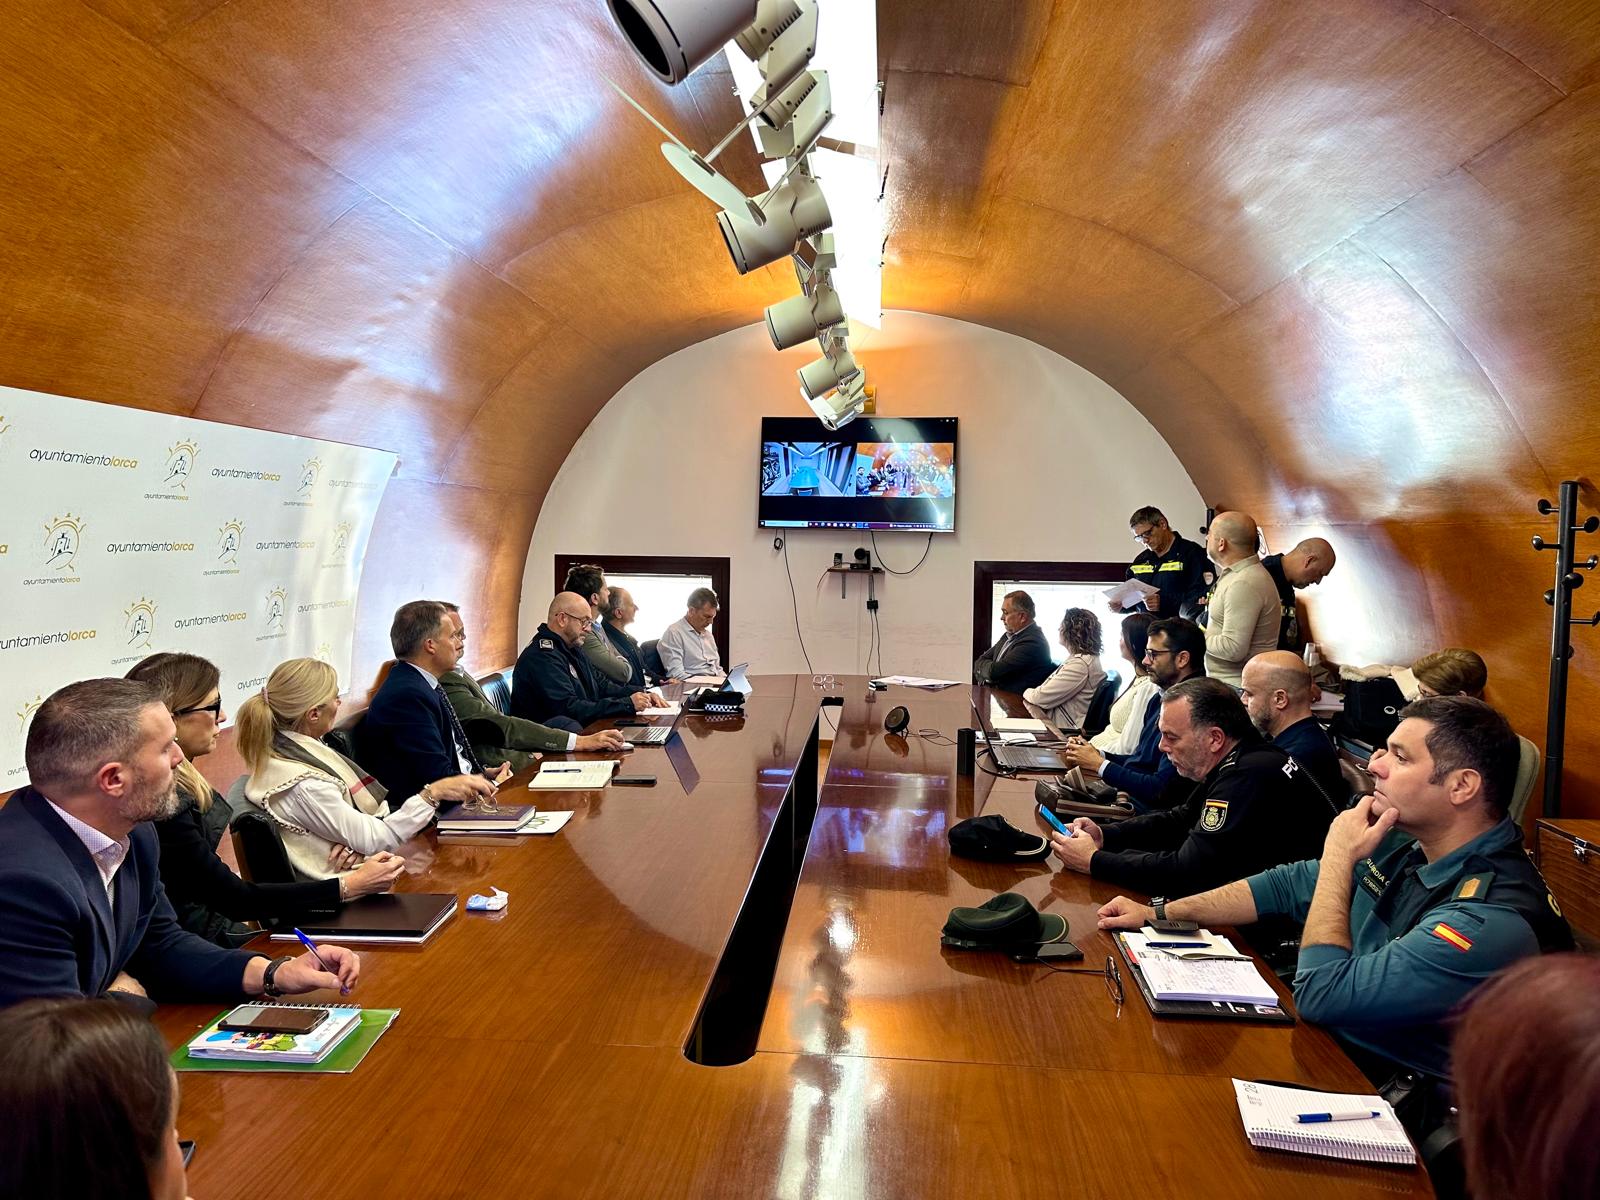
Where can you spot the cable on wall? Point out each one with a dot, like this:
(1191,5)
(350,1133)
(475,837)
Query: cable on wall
(794,603)
(890,569)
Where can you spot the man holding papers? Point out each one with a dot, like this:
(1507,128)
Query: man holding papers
(1176,567)
(1423,892)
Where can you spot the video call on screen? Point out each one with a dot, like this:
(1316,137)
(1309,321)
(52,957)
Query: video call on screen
(889,473)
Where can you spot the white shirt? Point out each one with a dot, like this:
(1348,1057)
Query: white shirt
(686,651)
(108,853)
(461,753)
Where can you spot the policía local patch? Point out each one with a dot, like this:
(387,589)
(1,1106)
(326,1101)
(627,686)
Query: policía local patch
(1214,815)
(1455,938)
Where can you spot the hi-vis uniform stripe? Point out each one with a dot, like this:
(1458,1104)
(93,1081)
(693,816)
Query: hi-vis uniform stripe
(1441,930)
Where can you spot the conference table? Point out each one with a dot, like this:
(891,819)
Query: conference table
(731,984)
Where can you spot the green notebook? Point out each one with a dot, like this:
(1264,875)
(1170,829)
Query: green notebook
(341,1061)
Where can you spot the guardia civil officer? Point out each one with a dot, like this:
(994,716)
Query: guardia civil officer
(554,682)
(1423,892)
(1252,806)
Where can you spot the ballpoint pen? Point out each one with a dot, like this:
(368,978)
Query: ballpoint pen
(321,962)
(1351,1114)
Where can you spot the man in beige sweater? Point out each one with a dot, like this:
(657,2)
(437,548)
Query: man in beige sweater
(1244,608)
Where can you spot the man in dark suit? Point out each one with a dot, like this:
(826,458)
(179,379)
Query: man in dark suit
(82,909)
(1021,658)
(410,737)
(555,684)
(618,612)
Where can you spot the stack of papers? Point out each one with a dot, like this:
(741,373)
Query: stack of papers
(1200,944)
(917,681)
(1334,1125)
(1234,980)
(1017,725)
(703,680)
(1129,592)
(671,709)
(573,776)
(310,1047)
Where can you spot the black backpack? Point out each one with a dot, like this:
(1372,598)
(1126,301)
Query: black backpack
(1371,711)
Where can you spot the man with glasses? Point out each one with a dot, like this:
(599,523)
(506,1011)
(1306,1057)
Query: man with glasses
(1021,658)
(554,682)
(1175,566)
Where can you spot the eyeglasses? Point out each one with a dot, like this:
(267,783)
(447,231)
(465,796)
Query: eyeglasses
(1111,973)
(214,708)
(1144,535)
(1151,653)
(480,804)
(583,622)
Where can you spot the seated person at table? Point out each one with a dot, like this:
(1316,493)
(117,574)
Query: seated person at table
(1169,562)
(554,682)
(589,581)
(1126,724)
(207,896)
(687,648)
(496,738)
(1065,696)
(91,1104)
(1277,694)
(1243,613)
(409,736)
(1423,891)
(1021,658)
(1452,671)
(320,800)
(1304,566)
(1527,1066)
(617,614)
(1174,651)
(82,909)
(1253,808)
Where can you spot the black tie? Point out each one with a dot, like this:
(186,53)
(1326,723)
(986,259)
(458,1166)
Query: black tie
(463,746)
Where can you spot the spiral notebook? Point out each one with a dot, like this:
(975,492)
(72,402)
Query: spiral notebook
(311,1047)
(1270,1116)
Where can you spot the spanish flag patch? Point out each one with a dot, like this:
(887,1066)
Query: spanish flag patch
(1441,930)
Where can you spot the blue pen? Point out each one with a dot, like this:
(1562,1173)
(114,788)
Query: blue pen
(1354,1114)
(321,962)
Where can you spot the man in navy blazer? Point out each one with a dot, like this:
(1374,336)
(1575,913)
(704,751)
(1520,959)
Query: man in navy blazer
(410,737)
(82,909)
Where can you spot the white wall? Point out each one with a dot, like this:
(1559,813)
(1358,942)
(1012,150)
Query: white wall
(1051,460)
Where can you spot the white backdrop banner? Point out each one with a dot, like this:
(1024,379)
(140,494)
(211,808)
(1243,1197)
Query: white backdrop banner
(124,532)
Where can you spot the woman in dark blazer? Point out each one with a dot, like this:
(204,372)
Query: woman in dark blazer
(208,897)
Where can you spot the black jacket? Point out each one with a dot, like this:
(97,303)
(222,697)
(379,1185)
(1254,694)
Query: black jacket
(1179,574)
(1024,663)
(208,897)
(627,646)
(555,680)
(405,737)
(1309,746)
(1256,809)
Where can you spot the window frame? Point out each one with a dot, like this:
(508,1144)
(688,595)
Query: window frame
(986,572)
(719,570)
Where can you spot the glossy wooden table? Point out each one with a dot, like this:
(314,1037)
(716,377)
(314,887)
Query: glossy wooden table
(546,1050)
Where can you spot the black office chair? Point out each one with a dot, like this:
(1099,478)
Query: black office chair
(1099,714)
(259,849)
(343,738)
(498,690)
(652,660)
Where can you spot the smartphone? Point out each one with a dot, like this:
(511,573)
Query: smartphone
(1056,821)
(272,1018)
(1051,952)
(634,780)
(1173,926)
(186,1148)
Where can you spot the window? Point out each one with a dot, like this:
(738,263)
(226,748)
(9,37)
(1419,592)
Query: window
(1055,587)
(660,585)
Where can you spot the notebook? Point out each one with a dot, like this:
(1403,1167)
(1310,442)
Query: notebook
(1269,1114)
(573,776)
(340,1060)
(389,918)
(1235,980)
(310,1047)
(507,820)
(1143,961)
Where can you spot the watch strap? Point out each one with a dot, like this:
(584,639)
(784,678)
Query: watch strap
(1159,903)
(269,986)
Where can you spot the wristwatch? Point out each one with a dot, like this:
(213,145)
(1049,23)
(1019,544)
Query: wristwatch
(268,987)
(1159,903)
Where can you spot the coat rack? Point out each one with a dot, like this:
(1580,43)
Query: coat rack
(1560,598)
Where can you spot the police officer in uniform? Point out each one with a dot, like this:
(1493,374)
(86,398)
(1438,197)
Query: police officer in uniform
(1173,564)
(1423,892)
(554,682)
(1253,806)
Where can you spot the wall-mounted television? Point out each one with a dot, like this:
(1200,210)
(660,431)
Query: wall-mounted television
(877,473)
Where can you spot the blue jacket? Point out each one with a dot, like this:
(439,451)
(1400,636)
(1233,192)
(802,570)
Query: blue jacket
(554,680)
(1145,773)
(58,936)
(405,737)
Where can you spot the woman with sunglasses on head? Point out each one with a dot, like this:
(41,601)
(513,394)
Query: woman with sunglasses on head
(208,897)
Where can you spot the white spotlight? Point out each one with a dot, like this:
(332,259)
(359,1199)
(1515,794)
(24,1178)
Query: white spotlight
(842,406)
(812,108)
(788,55)
(824,374)
(795,210)
(801,318)
(673,37)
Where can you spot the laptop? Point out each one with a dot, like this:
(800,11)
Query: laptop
(652,735)
(1025,756)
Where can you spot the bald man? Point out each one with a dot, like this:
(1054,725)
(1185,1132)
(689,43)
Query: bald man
(1277,693)
(1307,564)
(1244,611)
(554,683)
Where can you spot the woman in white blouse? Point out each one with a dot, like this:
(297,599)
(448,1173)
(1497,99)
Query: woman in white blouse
(318,798)
(1122,735)
(1066,695)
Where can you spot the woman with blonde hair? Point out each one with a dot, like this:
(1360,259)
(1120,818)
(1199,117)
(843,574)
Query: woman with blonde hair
(318,798)
(1453,671)
(208,897)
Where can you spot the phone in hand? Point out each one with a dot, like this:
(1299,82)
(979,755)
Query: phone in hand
(272,1018)
(1055,821)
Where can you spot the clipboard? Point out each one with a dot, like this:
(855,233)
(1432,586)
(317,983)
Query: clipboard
(1224,1010)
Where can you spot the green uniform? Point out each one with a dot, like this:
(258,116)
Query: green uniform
(497,738)
(1424,936)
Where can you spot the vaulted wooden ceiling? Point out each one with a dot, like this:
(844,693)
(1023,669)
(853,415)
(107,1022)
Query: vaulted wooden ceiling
(1340,253)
